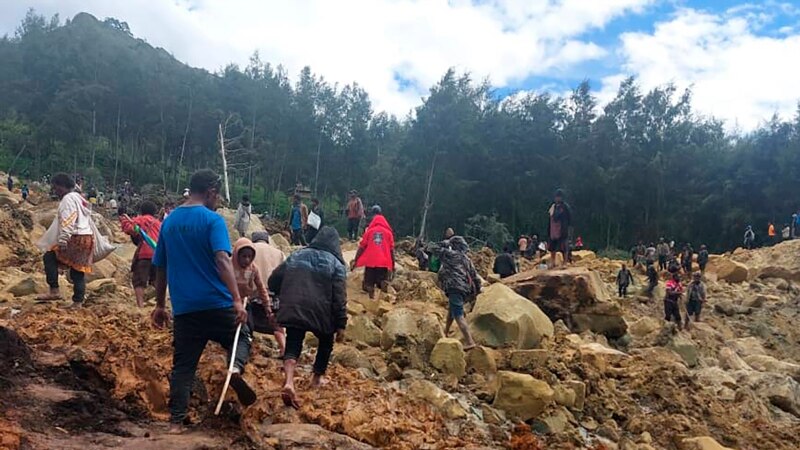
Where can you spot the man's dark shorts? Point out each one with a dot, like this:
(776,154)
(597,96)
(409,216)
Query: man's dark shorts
(143,273)
(557,245)
(456,304)
(375,277)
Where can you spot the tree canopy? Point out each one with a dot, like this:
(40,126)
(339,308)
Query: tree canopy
(88,97)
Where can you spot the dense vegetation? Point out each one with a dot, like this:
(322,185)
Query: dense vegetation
(89,97)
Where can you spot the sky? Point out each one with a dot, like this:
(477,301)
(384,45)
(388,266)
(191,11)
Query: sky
(741,59)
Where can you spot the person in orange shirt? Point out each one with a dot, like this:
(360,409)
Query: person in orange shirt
(771,233)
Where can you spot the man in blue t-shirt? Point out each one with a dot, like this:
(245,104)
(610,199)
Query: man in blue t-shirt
(298,220)
(193,259)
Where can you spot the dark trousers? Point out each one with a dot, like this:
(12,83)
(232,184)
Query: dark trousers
(352,228)
(662,262)
(51,274)
(294,347)
(623,290)
(672,311)
(651,286)
(693,308)
(311,233)
(191,332)
(298,237)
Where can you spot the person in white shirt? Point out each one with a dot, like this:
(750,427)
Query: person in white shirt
(74,245)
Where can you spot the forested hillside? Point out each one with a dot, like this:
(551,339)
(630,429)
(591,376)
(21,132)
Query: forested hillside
(86,96)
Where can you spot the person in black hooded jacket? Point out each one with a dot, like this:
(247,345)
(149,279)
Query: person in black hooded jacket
(311,284)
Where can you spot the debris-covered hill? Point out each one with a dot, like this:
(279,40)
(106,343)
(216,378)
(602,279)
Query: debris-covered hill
(562,364)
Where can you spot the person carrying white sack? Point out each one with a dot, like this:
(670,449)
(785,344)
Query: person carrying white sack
(72,241)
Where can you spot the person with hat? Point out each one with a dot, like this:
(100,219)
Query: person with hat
(355,213)
(558,229)
(376,253)
(696,296)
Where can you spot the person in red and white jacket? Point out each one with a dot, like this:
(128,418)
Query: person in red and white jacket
(143,273)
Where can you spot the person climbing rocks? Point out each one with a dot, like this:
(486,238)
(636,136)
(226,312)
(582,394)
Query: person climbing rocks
(25,192)
(459,281)
(672,300)
(193,260)
(253,286)
(355,214)
(376,253)
(298,220)
(696,297)
(143,273)
(558,230)
(423,258)
(662,251)
(504,264)
(10,183)
(312,287)
(74,245)
(652,280)
(749,237)
(313,228)
(242,221)
(624,279)
(702,258)
(687,256)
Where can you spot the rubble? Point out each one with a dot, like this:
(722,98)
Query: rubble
(613,374)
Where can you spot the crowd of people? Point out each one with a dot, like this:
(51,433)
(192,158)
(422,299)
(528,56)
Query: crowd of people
(216,288)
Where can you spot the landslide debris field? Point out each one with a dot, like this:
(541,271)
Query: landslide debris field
(608,373)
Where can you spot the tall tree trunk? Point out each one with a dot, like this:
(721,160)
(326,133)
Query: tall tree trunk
(116,146)
(319,151)
(183,144)
(224,164)
(427,204)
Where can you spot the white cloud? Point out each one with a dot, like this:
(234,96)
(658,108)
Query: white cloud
(735,73)
(368,41)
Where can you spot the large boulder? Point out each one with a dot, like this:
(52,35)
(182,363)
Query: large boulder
(780,390)
(521,395)
(417,286)
(728,269)
(23,286)
(360,328)
(448,357)
(443,402)
(481,360)
(410,336)
(503,318)
(685,348)
(701,443)
(576,295)
(764,363)
(299,436)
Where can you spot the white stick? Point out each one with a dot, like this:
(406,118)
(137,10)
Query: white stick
(230,366)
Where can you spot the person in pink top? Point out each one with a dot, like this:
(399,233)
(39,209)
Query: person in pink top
(672,309)
(142,271)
